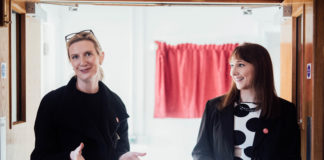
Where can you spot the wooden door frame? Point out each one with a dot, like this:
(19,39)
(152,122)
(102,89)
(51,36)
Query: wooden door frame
(318,87)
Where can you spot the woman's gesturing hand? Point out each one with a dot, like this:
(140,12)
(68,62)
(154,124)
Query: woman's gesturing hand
(76,154)
(132,156)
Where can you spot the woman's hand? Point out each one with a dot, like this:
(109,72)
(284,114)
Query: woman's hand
(76,154)
(132,156)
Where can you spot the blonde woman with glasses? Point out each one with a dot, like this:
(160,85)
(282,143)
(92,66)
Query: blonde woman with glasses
(83,120)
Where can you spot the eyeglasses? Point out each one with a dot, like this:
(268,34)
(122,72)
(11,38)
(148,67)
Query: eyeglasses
(81,34)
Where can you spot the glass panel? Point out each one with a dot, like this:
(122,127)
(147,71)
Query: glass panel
(13,67)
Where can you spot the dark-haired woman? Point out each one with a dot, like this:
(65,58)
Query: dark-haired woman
(250,122)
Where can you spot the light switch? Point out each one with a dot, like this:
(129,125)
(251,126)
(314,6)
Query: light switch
(3,70)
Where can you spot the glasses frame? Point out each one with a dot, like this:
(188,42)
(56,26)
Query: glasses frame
(88,31)
(71,35)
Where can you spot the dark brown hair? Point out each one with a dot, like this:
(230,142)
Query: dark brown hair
(263,81)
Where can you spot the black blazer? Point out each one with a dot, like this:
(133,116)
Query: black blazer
(215,139)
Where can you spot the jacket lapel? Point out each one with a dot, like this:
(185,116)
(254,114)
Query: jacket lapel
(227,121)
(264,127)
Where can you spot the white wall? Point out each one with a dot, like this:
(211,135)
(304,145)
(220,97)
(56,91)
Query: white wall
(127,35)
(21,138)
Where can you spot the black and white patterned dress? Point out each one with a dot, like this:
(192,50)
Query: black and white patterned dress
(246,119)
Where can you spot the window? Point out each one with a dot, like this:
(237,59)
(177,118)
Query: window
(17,69)
(2,12)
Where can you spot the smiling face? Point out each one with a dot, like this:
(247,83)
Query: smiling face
(85,60)
(242,73)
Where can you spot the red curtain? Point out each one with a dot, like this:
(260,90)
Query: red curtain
(187,75)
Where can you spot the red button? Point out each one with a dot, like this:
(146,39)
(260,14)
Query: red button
(265,130)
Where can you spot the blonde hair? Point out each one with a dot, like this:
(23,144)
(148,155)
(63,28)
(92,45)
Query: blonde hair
(87,35)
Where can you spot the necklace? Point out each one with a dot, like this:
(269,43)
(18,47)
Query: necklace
(245,107)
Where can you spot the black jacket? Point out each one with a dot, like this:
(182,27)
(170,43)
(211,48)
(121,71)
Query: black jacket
(66,117)
(215,139)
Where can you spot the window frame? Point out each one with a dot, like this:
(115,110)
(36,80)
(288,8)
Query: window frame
(20,92)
